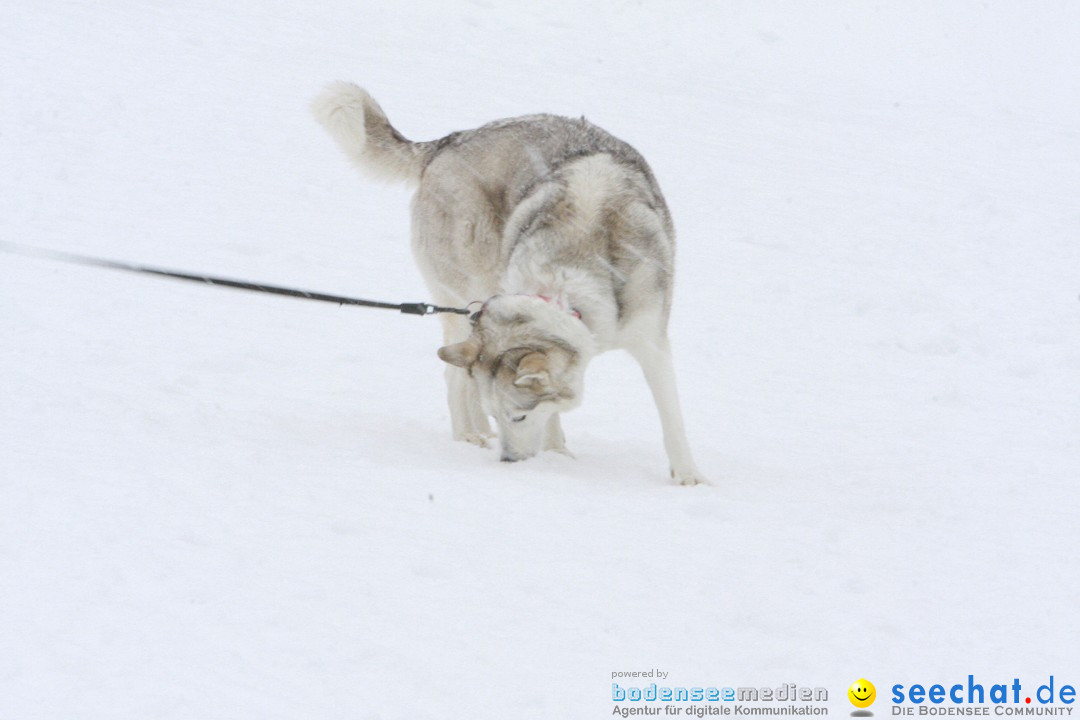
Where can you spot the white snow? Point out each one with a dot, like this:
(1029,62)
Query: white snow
(216,504)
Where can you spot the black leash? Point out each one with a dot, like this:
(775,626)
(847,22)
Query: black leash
(418,308)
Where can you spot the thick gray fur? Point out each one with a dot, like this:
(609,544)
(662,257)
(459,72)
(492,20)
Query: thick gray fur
(561,231)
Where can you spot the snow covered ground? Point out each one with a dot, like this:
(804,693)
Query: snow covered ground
(216,504)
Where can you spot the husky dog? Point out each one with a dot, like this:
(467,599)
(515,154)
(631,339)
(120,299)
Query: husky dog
(561,231)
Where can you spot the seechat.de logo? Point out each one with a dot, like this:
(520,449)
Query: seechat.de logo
(862,695)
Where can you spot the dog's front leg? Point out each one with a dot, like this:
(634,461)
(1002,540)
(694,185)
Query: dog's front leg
(554,438)
(655,361)
(468,421)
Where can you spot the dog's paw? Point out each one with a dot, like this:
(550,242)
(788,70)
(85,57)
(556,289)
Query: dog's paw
(477,439)
(563,451)
(689,477)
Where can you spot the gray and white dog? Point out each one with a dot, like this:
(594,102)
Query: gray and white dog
(561,230)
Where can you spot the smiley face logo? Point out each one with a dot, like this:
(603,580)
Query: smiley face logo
(862,693)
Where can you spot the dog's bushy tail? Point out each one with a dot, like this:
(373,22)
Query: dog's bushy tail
(361,130)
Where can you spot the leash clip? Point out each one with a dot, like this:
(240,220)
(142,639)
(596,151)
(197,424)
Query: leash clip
(417,308)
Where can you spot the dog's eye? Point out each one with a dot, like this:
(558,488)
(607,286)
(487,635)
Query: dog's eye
(519,418)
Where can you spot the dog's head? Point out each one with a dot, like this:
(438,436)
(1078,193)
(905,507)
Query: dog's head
(528,358)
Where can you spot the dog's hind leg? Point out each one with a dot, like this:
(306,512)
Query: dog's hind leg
(655,361)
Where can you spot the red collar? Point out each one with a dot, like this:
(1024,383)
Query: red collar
(545,298)
(553,301)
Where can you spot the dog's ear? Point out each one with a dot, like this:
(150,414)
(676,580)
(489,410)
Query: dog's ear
(532,373)
(462,354)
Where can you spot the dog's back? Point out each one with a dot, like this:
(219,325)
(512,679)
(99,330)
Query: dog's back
(513,154)
(563,190)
